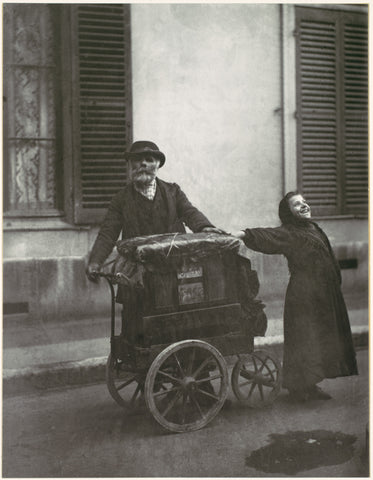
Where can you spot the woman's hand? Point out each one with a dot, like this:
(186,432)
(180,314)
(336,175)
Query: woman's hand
(238,234)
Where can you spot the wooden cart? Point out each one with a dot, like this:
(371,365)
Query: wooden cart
(188,304)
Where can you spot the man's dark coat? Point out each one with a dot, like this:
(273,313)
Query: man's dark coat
(122,217)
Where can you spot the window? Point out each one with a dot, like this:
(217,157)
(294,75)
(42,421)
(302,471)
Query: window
(332,110)
(31,163)
(67,88)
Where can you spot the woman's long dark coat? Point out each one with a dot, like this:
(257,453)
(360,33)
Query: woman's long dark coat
(317,334)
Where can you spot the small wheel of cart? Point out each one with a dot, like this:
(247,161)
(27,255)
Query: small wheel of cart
(186,385)
(125,387)
(256,379)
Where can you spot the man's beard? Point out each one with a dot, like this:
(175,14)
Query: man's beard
(143,178)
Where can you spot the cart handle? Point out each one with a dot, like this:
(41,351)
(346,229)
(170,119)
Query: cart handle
(111,279)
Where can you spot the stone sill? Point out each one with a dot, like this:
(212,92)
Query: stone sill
(40,224)
(318,218)
(363,8)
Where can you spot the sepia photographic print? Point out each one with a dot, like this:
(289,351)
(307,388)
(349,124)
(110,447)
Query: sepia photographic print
(185,240)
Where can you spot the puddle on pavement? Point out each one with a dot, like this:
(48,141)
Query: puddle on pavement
(295,452)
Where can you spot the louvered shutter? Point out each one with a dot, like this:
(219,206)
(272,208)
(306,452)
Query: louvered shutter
(331,99)
(355,39)
(102,106)
(317,109)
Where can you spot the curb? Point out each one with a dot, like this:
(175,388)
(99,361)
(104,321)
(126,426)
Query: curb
(54,375)
(92,370)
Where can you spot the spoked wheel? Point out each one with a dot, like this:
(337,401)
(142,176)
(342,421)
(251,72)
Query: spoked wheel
(125,387)
(256,379)
(186,385)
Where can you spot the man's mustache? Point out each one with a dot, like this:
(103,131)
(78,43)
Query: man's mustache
(144,170)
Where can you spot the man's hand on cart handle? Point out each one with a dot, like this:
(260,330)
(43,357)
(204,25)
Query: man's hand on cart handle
(92,272)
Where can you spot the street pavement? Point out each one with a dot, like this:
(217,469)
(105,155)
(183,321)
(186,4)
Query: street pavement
(60,421)
(82,432)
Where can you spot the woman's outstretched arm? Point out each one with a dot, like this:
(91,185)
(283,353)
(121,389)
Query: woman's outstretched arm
(266,240)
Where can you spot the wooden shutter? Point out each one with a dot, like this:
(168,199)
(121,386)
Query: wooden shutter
(102,106)
(355,110)
(331,96)
(317,108)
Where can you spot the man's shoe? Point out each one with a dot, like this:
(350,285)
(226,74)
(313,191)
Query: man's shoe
(315,393)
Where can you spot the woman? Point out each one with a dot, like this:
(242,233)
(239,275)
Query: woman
(317,334)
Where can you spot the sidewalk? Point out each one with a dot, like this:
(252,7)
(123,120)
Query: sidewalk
(39,355)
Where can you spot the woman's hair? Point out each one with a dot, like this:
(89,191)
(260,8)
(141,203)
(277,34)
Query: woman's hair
(284,211)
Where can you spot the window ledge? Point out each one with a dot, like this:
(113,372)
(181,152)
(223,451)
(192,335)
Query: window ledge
(40,224)
(343,7)
(340,217)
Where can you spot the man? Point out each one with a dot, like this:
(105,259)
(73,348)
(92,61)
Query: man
(146,206)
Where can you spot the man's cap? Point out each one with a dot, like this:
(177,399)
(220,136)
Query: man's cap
(144,146)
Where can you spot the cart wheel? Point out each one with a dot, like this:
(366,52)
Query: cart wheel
(186,385)
(125,387)
(256,379)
